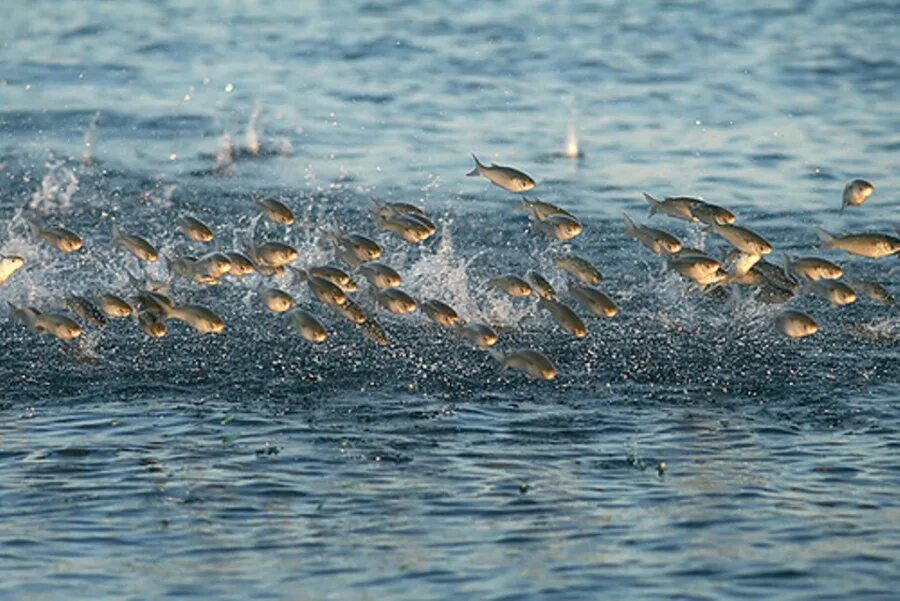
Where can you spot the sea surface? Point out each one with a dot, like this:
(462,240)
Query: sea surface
(686,449)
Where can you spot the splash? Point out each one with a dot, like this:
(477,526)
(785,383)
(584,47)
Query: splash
(571,149)
(224,165)
(252,133)
(58,186)
(87,155)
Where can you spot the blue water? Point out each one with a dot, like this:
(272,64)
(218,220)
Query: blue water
(686,450)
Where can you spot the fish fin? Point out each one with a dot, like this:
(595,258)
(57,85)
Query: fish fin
(654,204)
(478,167)
(630,228)
(786,259)
(496,354)
(826,238)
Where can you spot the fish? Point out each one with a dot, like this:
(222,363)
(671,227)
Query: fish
(336,276)
(540,286)
(478,334)
(811,268)
(156,303)
(795,324)
(276,301)
(310,328)
(394,300)
(741,263)
(351,311)
(564,317)
(690,251)
(86,310)
(704,271)
(213,265)
(390,209)
(873,290)
(113,306)
(511,180)
(743,239)
(711,214)
(380,275)
(202,319)
(678,207)
(136,245)
(660,242)
(275,210)
(9,264)
(440,313)
(60,326)
(597,303)
(24,315)
(355,249)
(579,268)
(406,227)
(195,229)
(775,275)
(540,210)
(151,324)
(241,265)
(855,193)
(273,254)
(528,361)
(561,227)
(512,285)
(873,246)
(59,238)
(837,293)
(324,290)
(375,332)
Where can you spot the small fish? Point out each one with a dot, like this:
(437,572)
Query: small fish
(241,265)
(512,285)
(540,286)
(855,193)
(136,245)
(564,317)
(202,319)
(873,246)
(9,265)
(336,276)
(478,334)
(811,268)
(579,268)
(375,332)
(380,275)
(511,180)
(741,263)
(680,207)
(743,239)
(560,227)
(873,290)
(324,290)
(837,293)
(389,209)
(213,265)
(660,242)
(308,326)
(113,306)
(275,210)
(405,227)
(540,210)
(395,300)
(60,238)
(273,254)
(711,214)
(195,229)
(86,310)
(156,303)
(795,324)
(593,300)
(440,313)
(58,325)
(774,275)
(528,361)
(277,301)
(355,249)
(151,324)
(702,270)
(351,311)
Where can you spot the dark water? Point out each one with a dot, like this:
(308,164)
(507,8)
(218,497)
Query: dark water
(254,465)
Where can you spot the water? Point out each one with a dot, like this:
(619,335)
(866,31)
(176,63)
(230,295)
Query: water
(255,465)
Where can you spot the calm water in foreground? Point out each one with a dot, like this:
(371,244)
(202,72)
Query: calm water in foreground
(254,465)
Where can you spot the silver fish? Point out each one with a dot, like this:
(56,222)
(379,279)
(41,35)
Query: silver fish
(151,324)
(744,240)
(478,334)
(86,310)
(593,300)
(540,286)
(660,242)
(60,238)
(351,311)
(394,300)
(58,325)
(873,246)
(873,290)
(308,326)
(9,265)
(512,285)
(241,265)
(680,207)
(540,210)
(711,214)
(560,227)
(837,293)
(440,313)
(195,229)
(702,270)
(336,276)
(202,319)
(855,193)
(113,306)
(275,210)
(406,227)
(277,301)
(375,332)
(136,245)
(273,254)
(511,180)
(795,324)
(355,249)
(579,268)
(811,268)
(528,361)
(565,317)
(380,275)
(324,290)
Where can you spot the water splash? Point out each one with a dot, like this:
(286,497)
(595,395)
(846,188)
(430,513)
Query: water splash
(252,133)
(87,155)
(58,186)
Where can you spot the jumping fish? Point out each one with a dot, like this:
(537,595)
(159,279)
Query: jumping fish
(512,285)
(873,246)
(561,227)
(406,227)
(660,242)
(241,265)
(811,268)
(351,311)
(275,210)
(440,313)
(310,328)
(380,275)
(277,301)
(136,245)
(195,229)
(579,268)
(744,240)
(86,310)
(511,180)
(540,210)
(113,306)
(336,276)
(60,238)
(540,286)
(478,334)
(873,290)
(677,207)
(202,319)
(324,290)
(9,265)
(394,300)
(796,324)
(837,293)
(528,361)
(711,214)
(855,193)
(565,317)
(593,300)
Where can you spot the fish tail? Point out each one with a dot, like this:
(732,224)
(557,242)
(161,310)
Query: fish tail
(299,275)
(496,354)
(630,229)
(478,167)
(826,238)
(654,204)
(786,259)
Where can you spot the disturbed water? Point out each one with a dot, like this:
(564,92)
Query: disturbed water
(687,449)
